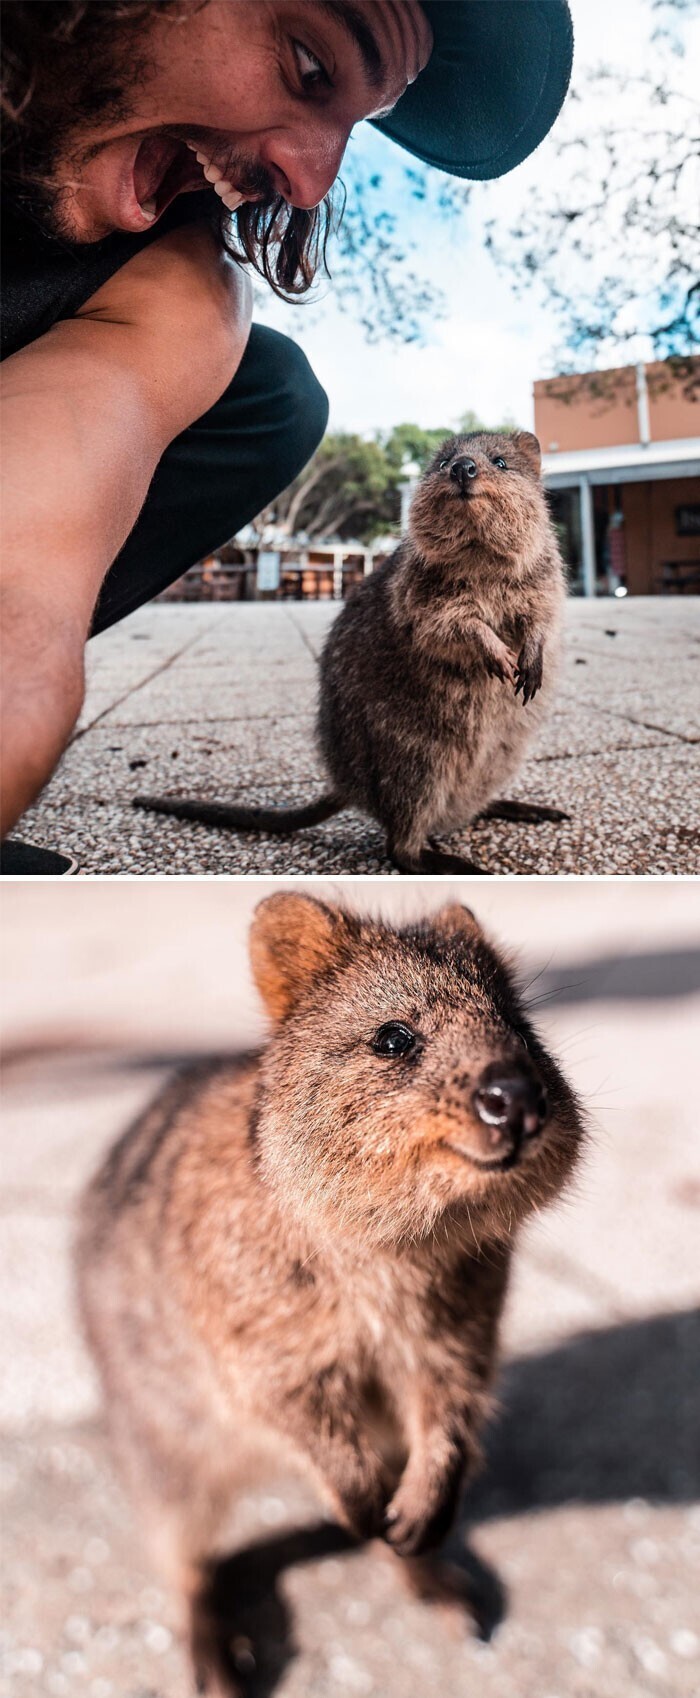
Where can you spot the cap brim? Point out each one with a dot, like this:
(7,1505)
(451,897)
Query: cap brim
(493,86)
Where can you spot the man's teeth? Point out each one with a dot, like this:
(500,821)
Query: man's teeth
(149,210)
(221,185)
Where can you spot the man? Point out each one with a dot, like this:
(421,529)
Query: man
(145,421)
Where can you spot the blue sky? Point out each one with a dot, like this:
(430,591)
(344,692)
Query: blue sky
(490,346)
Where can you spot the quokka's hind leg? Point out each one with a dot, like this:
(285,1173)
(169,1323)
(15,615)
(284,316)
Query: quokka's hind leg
(183,1521)
(437,860)
(408,816)
(525,813)
(207,1632)
(430,859)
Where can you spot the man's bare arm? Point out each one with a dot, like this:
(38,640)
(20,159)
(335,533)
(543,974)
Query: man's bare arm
(87,412)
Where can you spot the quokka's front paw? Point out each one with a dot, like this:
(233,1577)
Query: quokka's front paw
(502,663)
(414,1524)
(529,671)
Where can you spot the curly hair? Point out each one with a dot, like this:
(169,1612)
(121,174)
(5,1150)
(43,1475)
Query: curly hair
(79,56)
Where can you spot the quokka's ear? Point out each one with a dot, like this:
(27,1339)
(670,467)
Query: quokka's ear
(529,447)
(292,939)
(455,921)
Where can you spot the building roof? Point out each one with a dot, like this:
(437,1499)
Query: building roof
(633,463)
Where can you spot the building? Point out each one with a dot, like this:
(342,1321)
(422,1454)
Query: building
(621,461)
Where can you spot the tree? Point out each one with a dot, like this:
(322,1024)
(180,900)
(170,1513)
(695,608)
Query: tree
(369,263)
(342,492)
(610,237)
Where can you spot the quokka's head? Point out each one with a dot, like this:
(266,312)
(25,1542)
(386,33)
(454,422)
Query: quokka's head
(483,488)
(403,1087)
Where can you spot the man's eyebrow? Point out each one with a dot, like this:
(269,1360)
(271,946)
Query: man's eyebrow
(355,25)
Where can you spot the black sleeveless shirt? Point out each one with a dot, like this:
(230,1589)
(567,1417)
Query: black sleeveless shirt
(44,278)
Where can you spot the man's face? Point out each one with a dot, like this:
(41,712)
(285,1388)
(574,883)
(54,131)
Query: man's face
(265,91)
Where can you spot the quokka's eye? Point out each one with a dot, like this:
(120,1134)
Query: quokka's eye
(393,1039)
(444,465)
(499,461)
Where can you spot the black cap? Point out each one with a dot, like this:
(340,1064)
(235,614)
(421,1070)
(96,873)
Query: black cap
(492,88)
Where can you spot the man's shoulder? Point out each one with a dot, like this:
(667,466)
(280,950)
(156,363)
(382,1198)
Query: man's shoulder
(45,279)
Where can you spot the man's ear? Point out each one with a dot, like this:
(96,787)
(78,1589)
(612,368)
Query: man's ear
(292,939)
(455,921)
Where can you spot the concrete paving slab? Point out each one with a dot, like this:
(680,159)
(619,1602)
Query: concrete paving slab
(652,711)
(208,698)
(198,670)
(658,831)
(224,758)
(581,730)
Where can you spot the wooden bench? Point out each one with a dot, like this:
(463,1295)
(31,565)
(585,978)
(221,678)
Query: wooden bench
(679,577)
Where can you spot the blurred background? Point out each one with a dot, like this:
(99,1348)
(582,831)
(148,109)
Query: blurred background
(583,1536)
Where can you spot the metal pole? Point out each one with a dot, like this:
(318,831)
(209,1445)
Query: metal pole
(337,574)
(643,423)
(587,538)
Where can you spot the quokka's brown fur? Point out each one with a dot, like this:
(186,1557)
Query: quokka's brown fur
(429,675)
(308,1249)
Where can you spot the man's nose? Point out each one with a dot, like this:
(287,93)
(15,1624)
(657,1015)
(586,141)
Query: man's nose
(464,471)
(304,164)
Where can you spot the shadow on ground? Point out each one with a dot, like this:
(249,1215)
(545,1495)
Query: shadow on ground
(608,1416)
(624,978)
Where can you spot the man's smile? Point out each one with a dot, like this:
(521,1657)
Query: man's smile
(166,166)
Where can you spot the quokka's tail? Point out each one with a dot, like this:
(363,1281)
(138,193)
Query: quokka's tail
(229,818)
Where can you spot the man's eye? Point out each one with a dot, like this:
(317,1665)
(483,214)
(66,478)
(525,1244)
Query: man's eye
(499,461)
(311,70)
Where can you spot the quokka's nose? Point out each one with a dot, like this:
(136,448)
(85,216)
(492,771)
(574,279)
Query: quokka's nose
(464,471)
(511,1105)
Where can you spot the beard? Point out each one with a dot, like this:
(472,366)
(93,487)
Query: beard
(67,69)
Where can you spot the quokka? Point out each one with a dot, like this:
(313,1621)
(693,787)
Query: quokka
(307,1249)
(439,671)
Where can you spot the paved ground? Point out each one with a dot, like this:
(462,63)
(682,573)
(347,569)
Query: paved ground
(584,1532)
(219,701)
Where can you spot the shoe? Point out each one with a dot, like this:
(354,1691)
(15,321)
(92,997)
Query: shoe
(19,859)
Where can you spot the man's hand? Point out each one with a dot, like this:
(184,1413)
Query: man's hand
(87,412)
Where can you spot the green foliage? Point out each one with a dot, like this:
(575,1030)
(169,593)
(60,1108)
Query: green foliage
(608,238)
